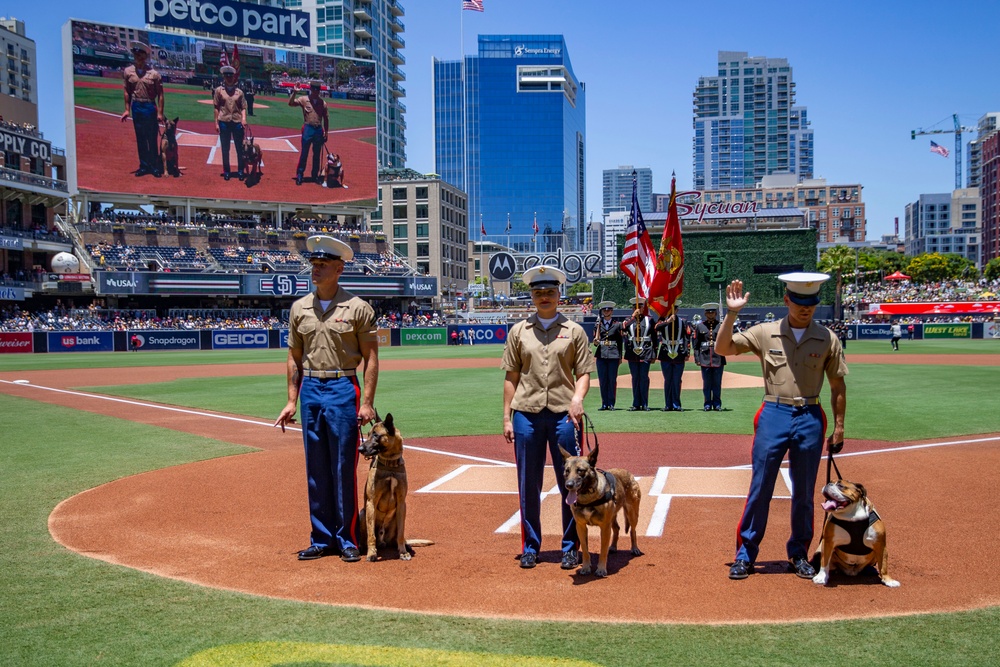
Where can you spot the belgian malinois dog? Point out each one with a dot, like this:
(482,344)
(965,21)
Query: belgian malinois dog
(596,496)
(382,521)
(168,148)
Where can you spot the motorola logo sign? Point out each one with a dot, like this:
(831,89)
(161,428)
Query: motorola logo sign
(502,266)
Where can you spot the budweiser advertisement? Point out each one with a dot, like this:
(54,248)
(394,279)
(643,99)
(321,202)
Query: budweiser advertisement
(12,343)
(167,114)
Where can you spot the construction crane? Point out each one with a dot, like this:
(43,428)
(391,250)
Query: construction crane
(958,130)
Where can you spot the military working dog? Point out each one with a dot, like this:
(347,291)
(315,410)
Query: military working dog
(853,535)
(596,496)
(253,158)
(169,153)
(382,521)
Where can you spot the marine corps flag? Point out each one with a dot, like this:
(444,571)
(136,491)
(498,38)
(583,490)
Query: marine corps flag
(668,281)
(235,61)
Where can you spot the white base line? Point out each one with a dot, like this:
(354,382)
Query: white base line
(199,413)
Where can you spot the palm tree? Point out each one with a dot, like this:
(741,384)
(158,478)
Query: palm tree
(838,260)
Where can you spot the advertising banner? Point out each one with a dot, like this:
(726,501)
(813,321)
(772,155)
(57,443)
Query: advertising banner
(228,17)
(384,338)
(81,341)
(11,293)
(119,146)
(869,331)
(241,339)
(12,343)
(423,336)
(167,339)
(948,330)
(482,334)
(277,284)
(11,243)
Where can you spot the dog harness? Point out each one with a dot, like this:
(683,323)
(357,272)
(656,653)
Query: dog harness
(856,530)
(608,495)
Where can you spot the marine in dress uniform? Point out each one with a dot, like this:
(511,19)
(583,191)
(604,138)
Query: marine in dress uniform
(673,334)
(331,334)
(315,126)
(640,351)
(608,339)
(548,365)
(230,119)
(711,363)
(144,103)
(795,352)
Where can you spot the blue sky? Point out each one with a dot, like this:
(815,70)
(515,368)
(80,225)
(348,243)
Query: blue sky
(868,72)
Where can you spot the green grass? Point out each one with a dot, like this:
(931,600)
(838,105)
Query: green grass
(60,608)
(188,107)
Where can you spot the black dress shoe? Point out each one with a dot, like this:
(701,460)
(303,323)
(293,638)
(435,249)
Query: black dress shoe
(717,408)
(645,408)
(528,560)
(241,176)
(602,408)
(632,408)
(314,552)
(708,408)
(225,176)
(157,173)
(350,555)
(741,569)
(801,567)
(666,409)
(298,180)
(142,172)
(570,560)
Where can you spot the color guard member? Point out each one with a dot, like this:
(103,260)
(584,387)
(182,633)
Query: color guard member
(608,339)
(640,351)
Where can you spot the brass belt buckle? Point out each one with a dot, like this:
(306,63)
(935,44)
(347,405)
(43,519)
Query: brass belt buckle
(798,402)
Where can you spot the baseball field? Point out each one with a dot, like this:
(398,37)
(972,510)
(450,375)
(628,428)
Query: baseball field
(151,515)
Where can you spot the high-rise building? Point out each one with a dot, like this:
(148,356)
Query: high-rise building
(509,129)
(945,223)
(18,50)
(618,188)
(366,29)
(988,124)
(989,192)
(746,124)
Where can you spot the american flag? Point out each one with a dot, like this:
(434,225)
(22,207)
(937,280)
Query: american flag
(223,59)
(474,5)
(534,225)
(638,257)
(939,149)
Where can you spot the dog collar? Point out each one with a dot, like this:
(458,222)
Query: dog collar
(608,495)
(388,463)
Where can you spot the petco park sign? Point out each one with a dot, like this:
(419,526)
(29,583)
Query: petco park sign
(227,17)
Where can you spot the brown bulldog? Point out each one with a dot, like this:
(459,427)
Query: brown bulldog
(853,534)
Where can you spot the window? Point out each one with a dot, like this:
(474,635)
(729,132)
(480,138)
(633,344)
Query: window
(422,211)
(421,192)
(401,249)
(399,212)
(423,230)
(399,194)
(399,231)
(423,249)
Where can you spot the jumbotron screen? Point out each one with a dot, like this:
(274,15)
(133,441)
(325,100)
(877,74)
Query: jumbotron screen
(126,143)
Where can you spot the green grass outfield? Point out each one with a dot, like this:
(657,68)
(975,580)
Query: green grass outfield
(60,608)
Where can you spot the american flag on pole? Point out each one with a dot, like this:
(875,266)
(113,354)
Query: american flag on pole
(638,257)
(534,226)
(474,5)
(939,149)
(223,59)
(668,283)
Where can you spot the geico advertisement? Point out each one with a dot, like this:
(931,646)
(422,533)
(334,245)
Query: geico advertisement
(242,339)
(428,336)
(483,334)
(165,340)
(81,341)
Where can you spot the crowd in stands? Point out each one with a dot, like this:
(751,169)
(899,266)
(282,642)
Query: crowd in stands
(904,291)
(40,232)
(396,320)
(23,128)
(20,277)
(97,319)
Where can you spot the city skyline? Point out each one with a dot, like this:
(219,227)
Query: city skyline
(868,81)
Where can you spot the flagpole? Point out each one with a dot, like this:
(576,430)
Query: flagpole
(482,265)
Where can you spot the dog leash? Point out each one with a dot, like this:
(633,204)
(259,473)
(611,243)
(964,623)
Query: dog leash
(831,463)
(583,439)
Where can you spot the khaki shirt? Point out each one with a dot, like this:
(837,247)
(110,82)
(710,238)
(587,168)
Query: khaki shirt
(548,361)
(791,369)
(331,340)
(312,114)
(145,88)
(230,105)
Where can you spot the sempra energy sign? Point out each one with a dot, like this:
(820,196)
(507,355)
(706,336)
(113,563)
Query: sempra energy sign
(227,17)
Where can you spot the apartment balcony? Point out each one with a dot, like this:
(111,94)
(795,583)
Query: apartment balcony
(396,74)
(361,13)
(395,7)
(363,29)
(396,57)
(363,48)
(397,90)
(396,40)
(395,25)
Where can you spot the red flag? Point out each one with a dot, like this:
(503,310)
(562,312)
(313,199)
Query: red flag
(638,257)
(482,226)
(236,60)
(534,225)
(668,281)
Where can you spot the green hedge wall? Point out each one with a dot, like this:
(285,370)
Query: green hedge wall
(713,259)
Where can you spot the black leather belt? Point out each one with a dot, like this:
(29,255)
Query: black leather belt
(328,375)
(798,401)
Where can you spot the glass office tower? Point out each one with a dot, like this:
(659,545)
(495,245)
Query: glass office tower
(510,131)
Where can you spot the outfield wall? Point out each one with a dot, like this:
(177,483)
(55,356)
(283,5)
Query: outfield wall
(479,334)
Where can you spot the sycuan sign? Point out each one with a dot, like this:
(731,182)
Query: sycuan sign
(236,19)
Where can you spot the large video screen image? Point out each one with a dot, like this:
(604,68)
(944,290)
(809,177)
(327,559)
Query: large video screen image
(156,114)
